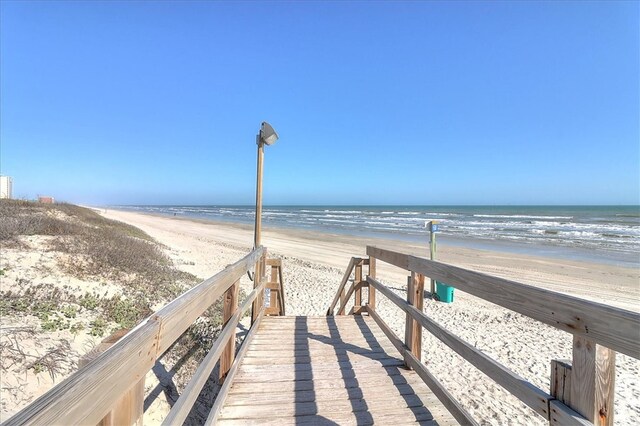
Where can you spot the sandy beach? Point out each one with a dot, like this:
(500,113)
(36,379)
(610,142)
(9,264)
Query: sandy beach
(313,266)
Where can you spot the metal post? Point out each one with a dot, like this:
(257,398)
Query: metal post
(433,228)
(258,224)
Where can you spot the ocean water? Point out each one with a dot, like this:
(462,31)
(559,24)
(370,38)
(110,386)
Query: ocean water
(610,234)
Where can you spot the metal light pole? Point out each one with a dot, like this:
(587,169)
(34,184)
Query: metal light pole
(266,136)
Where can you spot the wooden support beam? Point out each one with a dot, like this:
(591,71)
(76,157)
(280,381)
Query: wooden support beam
(413,329)
(561,381)
(592,381)
(229,308)
(340,294)
(260,270)
(357,305)
(372,291)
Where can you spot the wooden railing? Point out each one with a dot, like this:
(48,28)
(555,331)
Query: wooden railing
(90,394)
(581,391)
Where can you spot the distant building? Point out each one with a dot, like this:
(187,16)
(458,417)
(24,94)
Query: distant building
(6,187)
(45,200)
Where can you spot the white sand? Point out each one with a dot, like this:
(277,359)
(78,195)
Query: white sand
(314,264)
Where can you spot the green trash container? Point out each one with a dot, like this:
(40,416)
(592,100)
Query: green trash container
(444,293)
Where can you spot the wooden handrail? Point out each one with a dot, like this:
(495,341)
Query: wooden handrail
(87,396)
(612,327)
(183,405)
(528,393)
(224,390)
(598,331)
(345,278)
(443,395)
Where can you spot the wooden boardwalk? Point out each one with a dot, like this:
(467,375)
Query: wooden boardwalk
(327,370)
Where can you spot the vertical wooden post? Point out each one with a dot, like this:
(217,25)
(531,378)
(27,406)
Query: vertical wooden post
(413,329)
(592,381)
(229,308)
(258,303)
(129,410)
(561,381)
(372,274)
(357,305)
(273,295)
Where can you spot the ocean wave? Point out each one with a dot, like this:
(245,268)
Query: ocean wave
(518,216)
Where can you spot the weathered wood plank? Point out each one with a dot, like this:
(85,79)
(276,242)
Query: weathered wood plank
(293,408)
(561,415)
(178,315)
(561,381)
(612,327)
(418,415)
(230,305)
(88,395)
(180,410)
(528,393)
(454,407)
(592,381)
(372,291)
(343,282)
(224,390)
(319,383)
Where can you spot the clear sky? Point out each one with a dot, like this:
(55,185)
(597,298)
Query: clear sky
(375,103)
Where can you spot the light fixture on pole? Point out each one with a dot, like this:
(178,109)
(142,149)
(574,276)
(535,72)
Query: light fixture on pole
(266,136)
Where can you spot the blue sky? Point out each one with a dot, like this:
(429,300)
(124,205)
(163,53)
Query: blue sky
(375,103)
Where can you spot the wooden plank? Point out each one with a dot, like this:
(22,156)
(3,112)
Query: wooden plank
(283,304)
(320,366)
(358,292)
(288,376)
(274,262)
(318,383)
(365,391)
(519,387)
(313,358)
(612,327)
(129,409)
(372,291)
(561,415)
(561,381)
(293,408)
(340,292)
(224,390)
(592,381)
(418,415)
(458,412)
(89,394)
(230,305)
(180,410)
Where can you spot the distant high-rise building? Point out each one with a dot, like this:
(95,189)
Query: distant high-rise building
(6,187)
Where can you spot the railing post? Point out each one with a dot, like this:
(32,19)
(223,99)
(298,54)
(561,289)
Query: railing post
(592,377)
(229,308)
(413,329)
(260,269)
(129,409)
(372,291)
(357,282)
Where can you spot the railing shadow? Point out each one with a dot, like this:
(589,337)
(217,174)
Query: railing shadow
(373,351)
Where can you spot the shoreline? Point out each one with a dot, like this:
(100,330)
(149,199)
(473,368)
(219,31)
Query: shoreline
(577,277)
(573,253)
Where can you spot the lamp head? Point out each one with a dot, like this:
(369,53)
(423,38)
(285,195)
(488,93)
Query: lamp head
(267,135)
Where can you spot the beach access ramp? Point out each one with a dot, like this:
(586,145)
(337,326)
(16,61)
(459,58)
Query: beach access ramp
(347,367)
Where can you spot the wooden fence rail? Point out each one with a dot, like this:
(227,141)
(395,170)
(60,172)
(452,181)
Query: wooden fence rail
(582,390)
(89,394)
